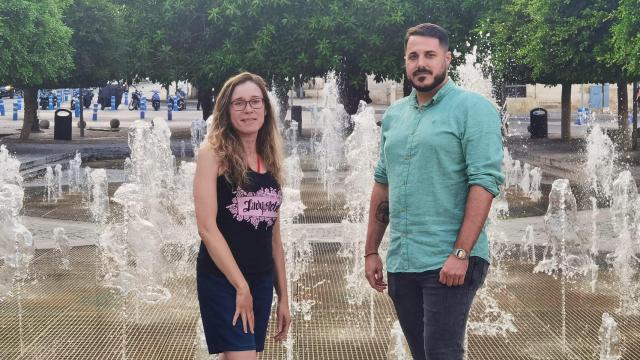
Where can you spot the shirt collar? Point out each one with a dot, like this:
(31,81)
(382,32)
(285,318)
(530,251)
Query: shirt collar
(441,94)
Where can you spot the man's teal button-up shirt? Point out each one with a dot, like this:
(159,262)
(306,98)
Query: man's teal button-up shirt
(429,156)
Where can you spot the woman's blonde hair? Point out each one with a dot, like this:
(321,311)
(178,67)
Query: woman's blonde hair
(227,144)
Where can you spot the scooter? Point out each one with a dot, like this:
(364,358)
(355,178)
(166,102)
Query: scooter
(179,98)
(87,98)
(155,100)
(135,100)
(44,99)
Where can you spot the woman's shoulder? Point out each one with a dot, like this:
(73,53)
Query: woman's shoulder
(208,157)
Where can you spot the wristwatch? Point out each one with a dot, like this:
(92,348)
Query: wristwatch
(460,254)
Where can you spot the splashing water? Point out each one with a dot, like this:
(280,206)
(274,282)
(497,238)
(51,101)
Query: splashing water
(609,339)
(63,246)
(16,242)
(132,247)
(398,348)
(534,190)
(493,320)
(57,183)
(75,174)
(361,155)
(329,149)
(566,253)
(525,180)
(527,248)
(50,181)
(625,214)
(99,196)
(198,133)
(601,156)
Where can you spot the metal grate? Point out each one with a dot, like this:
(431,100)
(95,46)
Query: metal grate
(68,315)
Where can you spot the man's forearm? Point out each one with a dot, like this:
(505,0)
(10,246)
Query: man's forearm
(475,214)
(378,217)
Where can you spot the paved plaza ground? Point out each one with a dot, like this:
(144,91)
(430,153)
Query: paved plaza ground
(59,314)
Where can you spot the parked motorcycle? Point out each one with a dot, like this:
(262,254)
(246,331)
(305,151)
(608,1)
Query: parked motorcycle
(134,104)
(44,99)
(155,100)
(87,98)
(179,99)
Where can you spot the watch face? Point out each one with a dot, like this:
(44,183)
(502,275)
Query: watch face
(461,254)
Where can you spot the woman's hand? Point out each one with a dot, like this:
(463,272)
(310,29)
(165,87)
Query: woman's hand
(283,319)
(244,309)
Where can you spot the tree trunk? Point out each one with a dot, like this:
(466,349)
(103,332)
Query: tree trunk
(565,117)
(351,86)
(80,103)
(634,132)
(623,114)
(205,96)
(406,86)
(281,89)
(30,113)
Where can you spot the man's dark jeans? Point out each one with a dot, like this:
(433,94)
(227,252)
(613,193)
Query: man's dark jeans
(434,316)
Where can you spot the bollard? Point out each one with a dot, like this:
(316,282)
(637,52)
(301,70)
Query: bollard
(59,102)
(580,117)
(15,111)
(113,102)
(143,107)
(175,104)
(1,107)
(126,97)
(94,117)
(50,107)
(19,98)
(77,110)
(169,114)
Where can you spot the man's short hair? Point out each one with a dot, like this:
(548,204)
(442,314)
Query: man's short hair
(429,30)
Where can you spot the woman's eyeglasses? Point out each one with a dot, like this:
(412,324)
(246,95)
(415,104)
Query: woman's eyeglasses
(240,105)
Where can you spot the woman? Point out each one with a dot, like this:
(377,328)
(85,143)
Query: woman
(237,198)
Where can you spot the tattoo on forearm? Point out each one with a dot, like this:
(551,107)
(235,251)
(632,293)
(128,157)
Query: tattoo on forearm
(382,212)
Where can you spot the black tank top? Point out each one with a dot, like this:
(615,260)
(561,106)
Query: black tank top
(245,218)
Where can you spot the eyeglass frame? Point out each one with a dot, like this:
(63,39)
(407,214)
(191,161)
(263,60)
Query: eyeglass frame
(247,102)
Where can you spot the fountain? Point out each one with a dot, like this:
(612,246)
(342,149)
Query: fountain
(601,156)
(75,175)
(63,246)
(16,242)
(361,155)
(565,253)
(609,339)
(625,216)
(398,348)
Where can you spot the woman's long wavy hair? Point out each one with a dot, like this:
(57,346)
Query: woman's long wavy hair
(227,144)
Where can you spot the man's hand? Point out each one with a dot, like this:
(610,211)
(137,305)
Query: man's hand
(374,273)
(453,271)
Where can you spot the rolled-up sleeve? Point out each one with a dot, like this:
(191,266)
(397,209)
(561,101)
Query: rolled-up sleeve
(482,146)
(380,171)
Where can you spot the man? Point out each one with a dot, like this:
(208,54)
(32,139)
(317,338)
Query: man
(439,169)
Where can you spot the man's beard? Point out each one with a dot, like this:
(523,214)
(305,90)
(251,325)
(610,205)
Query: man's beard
(437,80)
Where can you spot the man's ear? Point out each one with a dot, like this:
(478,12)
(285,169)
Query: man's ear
(448,57)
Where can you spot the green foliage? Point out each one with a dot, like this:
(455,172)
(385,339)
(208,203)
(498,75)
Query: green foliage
(98,36)
(549,41)
(626,37)
(34,42)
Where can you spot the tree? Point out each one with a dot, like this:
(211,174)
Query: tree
(550,42)
(98,35)
(34,48)
(626,47)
